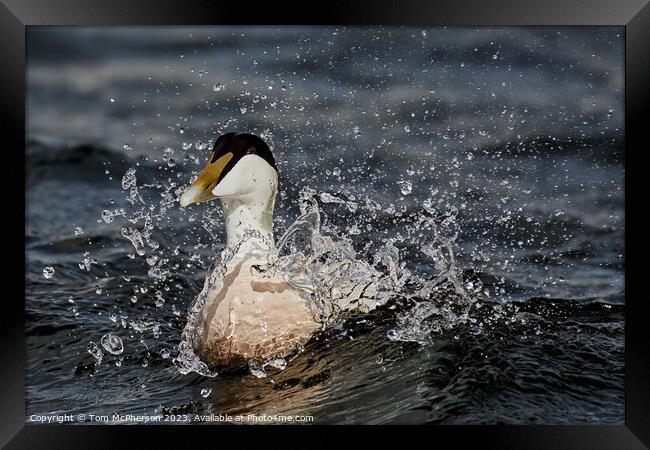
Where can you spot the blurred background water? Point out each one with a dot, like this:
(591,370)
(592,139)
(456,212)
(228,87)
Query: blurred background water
(514,136)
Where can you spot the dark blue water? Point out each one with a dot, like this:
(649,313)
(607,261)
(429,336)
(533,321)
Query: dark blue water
(514,135)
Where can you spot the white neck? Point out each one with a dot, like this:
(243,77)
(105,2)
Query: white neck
(242,214)
(247,196)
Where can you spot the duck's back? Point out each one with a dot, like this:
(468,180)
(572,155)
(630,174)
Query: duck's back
(251,317)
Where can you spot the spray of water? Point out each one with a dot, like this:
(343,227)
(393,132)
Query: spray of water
(324,266)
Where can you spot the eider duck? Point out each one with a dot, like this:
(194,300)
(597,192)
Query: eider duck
(246,317)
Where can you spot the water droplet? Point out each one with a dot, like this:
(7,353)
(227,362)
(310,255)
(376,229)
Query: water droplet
(107,216)
(256,370)
(277,363)
(336,171)
(160,301)
(205,392)
(112,100)
(129,180)
(429,207)
(135,237)
(243,109)
(97,353)
(112,344)
(48,272)
(326,197)
(164,353)
(127,147)
(218,87)
(78,231)
(87,262)
(167,153)
(405,187)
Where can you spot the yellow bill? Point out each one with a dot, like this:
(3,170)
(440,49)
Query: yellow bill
(201,189)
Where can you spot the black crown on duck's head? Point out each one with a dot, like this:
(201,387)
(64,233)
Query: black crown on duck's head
(240,145)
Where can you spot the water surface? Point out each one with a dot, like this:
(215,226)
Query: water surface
(508,140)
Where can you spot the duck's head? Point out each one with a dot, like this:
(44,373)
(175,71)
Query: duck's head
(241,166)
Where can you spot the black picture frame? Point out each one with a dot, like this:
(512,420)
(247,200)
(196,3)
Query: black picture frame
(16,15)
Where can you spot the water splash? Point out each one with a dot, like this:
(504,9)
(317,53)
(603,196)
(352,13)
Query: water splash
(340,283)
(205,392)
(48,272)
(96,353)
(112,344)
(87,262)
(320,261)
